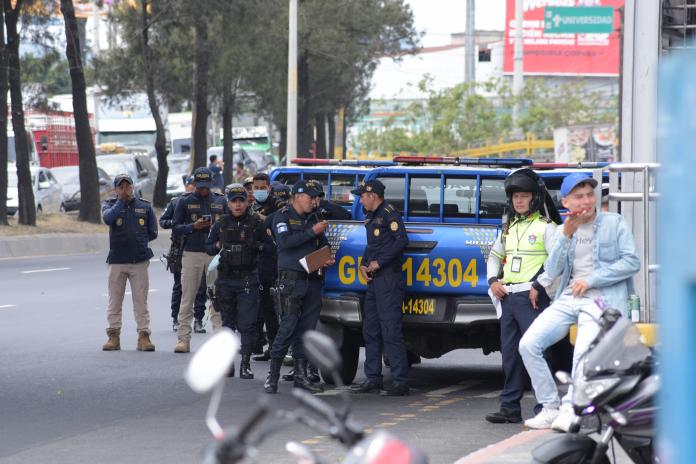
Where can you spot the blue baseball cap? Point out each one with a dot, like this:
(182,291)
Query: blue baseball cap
(573,180)
(305,186)
(203,178)
(236,191)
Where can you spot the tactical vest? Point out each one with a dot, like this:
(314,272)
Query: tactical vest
(238,244)
(525,240)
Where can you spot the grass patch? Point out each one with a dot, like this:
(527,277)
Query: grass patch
(53,224)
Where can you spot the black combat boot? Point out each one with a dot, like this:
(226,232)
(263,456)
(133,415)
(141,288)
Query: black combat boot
(290,376)
(245,368)
(301,380)
(313,373)
(271,385)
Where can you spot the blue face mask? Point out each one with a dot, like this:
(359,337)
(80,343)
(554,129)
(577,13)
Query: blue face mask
(261,195)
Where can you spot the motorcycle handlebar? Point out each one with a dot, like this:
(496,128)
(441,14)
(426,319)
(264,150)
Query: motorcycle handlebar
(314,404)
(252,421)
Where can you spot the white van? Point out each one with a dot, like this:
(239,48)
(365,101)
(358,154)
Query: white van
(48,193)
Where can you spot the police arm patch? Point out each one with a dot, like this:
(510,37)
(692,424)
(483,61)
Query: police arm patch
(281,227)
(394,226)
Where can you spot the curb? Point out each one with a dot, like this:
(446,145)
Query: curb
(66,244)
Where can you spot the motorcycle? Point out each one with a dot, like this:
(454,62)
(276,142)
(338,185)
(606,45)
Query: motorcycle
(207,373)
(614,381)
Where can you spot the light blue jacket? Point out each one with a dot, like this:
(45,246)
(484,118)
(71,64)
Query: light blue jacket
(614,256)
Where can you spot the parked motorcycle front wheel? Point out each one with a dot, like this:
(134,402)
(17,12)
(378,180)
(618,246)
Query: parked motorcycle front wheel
(570,448)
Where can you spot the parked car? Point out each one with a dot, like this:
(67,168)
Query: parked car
(178,170)
(69,178)
(48,193)
(139,166)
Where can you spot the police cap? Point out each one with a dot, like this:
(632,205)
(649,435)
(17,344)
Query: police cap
(121,177)
(236,191)
(202,177)
(317,186)
(371,186)
(303,186)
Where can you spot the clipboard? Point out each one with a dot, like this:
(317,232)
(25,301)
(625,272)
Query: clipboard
(316,259)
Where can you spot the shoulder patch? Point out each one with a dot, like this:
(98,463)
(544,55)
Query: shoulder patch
(394,226)
(545,219)
(281,227)
(389,209)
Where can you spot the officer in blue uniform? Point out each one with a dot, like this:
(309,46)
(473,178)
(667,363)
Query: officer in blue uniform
(238,237)
(174,265)
(193,217)
(132,225)
(381,267)
(297,234)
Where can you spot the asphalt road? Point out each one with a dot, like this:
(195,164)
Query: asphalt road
(63,400)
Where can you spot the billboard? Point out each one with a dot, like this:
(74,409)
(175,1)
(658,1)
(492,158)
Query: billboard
(585,143)
(561,54)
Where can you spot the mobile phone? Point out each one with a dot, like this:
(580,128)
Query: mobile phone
(206,217)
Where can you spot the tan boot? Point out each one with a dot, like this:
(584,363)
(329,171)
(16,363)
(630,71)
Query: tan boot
(144,343)
(114,341)
(182,346)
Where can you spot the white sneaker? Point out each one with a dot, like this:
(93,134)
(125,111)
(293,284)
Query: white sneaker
(565,419)
(543,420)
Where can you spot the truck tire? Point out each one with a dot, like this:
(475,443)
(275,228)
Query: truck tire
(350,352)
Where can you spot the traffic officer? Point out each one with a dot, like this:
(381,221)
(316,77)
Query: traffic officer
(132,225)
(193,217)
(381,268)
(265,205)
(174,265)
(518,289)
(238,237)
(297,234)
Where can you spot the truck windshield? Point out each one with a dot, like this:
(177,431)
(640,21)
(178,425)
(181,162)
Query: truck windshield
(128,138)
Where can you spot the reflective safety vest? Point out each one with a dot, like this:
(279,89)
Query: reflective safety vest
(525,251)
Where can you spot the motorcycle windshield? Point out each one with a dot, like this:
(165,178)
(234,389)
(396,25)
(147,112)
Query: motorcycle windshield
(617,351)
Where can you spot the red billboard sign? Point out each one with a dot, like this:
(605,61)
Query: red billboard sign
(561,54)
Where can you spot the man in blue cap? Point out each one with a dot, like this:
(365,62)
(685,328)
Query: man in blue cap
(297,233)
(132,225)
(193,217)
(381,267)
(595,257)
(174,264)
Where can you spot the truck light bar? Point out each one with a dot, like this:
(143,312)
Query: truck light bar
(578,165)
(340,162)
(462,161)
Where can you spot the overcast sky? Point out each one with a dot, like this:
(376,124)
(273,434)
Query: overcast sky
(439,18)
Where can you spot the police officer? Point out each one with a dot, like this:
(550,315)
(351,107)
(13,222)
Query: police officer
(519,290)
(381,268)
(238,237)
(297,234)
(174,264)
(132,225)
(265,205)
(193,217)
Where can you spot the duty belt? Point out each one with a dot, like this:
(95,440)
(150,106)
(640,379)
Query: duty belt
(297,275)
(237,273)
(518,288)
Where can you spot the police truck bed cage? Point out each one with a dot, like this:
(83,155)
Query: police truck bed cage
(340,162)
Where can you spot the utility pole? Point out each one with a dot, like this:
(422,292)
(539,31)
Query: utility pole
(518,78)
(291,145)
(470,46)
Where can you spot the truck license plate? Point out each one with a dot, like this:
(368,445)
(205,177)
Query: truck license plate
(419,306)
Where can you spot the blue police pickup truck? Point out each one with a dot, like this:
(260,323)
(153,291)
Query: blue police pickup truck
(452,215)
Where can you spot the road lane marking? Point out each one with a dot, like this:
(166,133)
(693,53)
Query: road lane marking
(46,270)
(464,385)
(7,306)
(493,394)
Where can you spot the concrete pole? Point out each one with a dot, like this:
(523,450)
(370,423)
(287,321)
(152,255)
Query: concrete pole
(518,77)
(291,147)
(470,46)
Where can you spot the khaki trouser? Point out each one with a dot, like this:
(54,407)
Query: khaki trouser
(214,316)
(193,265)
(137,274)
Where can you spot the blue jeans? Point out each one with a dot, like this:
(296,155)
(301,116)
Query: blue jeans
(551,326)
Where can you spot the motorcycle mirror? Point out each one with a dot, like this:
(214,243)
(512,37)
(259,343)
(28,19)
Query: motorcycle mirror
(564,377)
(322,351)
(212,361)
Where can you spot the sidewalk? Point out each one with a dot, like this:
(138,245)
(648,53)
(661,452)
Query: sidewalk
(66,244)
(518,449)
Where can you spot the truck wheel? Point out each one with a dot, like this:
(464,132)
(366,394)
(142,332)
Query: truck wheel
(350,351)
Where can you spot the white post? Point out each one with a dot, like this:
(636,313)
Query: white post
(470,46)
(95,51)
(518,77)
(291,137)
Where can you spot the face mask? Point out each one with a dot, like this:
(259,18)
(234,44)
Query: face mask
(261,195)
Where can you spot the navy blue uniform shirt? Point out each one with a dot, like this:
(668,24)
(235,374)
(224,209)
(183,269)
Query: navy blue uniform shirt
(131,227)
(189,209)
(386,237)
(294,237)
